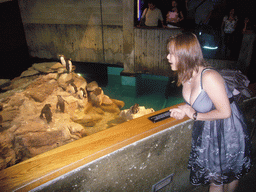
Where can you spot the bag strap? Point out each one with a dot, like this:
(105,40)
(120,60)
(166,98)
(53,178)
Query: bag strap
(202,2)
(201,83)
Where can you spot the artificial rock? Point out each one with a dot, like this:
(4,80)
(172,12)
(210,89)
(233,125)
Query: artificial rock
(23,134)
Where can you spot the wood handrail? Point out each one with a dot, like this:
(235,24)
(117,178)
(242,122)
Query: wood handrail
(47,166)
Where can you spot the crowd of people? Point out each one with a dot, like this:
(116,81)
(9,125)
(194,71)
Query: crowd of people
(193,14)
(177,13)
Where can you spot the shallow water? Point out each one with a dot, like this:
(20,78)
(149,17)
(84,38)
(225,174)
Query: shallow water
(147,90)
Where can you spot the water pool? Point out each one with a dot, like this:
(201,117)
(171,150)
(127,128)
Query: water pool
(147,90)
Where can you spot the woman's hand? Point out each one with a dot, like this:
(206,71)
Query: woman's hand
(177,113)
(188,110)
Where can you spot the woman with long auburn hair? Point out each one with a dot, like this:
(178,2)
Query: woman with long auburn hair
(188,51)
(221,147)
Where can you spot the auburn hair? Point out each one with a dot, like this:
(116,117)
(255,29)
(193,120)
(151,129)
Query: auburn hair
(188,53)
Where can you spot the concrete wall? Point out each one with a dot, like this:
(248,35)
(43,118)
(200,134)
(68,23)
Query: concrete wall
(93,12)
(80,42)
(136,167)
(1,1)
(86,31)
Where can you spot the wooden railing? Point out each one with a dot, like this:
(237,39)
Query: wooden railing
(45,167)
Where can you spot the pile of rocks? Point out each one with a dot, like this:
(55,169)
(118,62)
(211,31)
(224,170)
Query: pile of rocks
(47,107)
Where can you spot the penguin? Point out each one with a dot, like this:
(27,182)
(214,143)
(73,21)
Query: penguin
(69,66)
(135,108)
(82,93)
(74,86)
(67,63)
(61,103)
(63,60)
(47,113)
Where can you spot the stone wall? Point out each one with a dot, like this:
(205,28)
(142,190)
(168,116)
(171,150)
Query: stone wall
(79,42)
(86,31)
(136,167)
(93,12)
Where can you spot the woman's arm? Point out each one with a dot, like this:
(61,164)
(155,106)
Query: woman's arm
(181,16)
(177,113)
(142,16)
(144,13)
(167,17)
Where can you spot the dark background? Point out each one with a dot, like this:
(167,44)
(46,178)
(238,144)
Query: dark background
(14,57)
(13,47)
(243,8)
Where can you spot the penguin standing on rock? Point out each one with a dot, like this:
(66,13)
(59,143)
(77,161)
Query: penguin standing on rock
(74,86)
(82,93)
(67,63)
(47,113)
(135,108)
(71,88)
(63,60)
(69,66)
(61,103)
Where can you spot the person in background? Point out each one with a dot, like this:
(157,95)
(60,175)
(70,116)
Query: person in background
(248,41)
(246,52)
(248,27)
(221,146)
(152,15)
(228,27)
(174,16)
(203,10)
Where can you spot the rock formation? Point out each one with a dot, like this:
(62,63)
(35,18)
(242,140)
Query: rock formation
(23,134)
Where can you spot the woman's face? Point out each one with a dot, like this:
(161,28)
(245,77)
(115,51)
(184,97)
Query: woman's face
(232,11)
(173,61)
(174,3)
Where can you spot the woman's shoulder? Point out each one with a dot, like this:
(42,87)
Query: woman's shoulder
(225,18)
(208,72)
(210,76)
(211,79)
